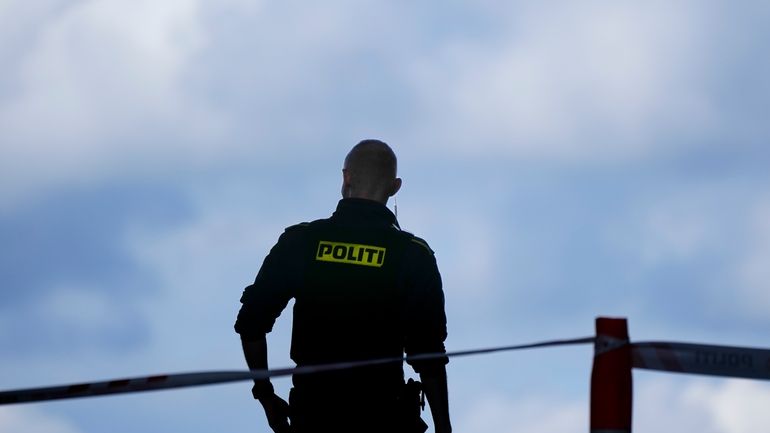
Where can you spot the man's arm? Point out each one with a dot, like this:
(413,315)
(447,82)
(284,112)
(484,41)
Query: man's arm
(276,409)
(434,384)
(262,303)
(426,332)
(255,352)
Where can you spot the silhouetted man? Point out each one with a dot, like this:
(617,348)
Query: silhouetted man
(363,289)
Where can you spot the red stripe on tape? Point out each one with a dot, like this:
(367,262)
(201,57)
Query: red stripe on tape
(156,379)
(667,358)
(118,383)
(81,387)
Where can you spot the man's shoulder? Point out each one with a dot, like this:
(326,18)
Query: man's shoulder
(307,225)
(294,233)
(416,242)
(297,227)
(303,229)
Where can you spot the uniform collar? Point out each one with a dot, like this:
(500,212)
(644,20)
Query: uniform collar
(370,210)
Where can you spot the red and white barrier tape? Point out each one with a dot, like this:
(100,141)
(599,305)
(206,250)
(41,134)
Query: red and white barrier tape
(160,382)
(725,361)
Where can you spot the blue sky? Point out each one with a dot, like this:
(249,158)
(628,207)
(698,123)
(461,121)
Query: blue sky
(565,160)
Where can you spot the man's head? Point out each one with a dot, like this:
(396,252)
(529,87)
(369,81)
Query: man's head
(370,172)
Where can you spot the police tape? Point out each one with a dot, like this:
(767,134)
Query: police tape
(724,361)
(183,380)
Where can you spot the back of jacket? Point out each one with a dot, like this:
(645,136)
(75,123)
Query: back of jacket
(363,289)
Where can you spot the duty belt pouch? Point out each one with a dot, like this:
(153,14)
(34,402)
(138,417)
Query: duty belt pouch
(410,403)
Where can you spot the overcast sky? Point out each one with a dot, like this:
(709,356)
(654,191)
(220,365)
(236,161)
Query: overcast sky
(565,160)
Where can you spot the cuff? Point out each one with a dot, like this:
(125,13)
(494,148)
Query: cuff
(262,389)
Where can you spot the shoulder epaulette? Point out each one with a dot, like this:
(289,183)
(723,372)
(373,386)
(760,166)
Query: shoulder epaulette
(297,226)
(420,242)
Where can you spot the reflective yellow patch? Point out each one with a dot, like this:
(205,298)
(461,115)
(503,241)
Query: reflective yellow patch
(354,254)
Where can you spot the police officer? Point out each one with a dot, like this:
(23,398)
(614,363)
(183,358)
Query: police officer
(363,289)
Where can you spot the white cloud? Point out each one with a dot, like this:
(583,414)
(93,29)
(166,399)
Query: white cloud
(466,249)
(496,413)
(201,268)
(722,224)
(114,88)
(670,228)
(588,80)
(80,308)
(737,406)
(31,420)
(664,404)
(472,257)
(752,273)
(111,88)
(97,75)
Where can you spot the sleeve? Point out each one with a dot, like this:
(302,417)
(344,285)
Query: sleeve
(426,327)
(264,300)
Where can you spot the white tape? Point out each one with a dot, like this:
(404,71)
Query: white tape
(160,382)
(725,361)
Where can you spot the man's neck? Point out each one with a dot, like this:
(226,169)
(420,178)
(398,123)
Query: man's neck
(380,200)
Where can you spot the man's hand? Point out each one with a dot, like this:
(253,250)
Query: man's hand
(277,413)
(276,409)
(444,428)
(435,387)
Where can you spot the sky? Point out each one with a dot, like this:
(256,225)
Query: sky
(565,160)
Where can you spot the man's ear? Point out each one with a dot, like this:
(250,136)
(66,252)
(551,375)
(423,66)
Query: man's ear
(345,189)
(396,186)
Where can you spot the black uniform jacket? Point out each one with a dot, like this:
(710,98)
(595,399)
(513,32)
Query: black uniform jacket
(363,289)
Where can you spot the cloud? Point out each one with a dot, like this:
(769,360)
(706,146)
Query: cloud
(587,81)
(752,273)
(81,309)
(700,404)
(703,242)
(501,414)
(678,225)
(69,283)
(662,403)
(465,246)
(201,267)
(110,90)
(99,87)
(105,90)
(667,404)
(736,406)
(27,420)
